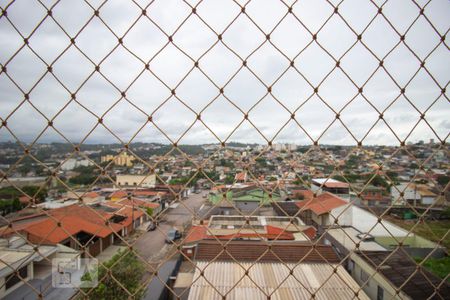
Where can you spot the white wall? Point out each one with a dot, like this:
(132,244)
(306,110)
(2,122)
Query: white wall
(371,288)
(364,221)
(342,214)
(138,180)
(428,200)
(409,194)
(4,292)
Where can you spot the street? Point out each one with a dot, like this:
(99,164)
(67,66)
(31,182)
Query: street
(151,245)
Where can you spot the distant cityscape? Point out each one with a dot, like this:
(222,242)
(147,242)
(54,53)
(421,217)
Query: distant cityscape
(224,150)
(351,205)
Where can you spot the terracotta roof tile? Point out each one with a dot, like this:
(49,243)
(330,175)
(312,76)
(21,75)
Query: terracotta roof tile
(118,194)
(148,193)
(200,232)
(278,251)
(307,194)
(336,185)
(195,234)
(139,203)
(73,219)
(322,204)
(48,231)
(242,176)
(91,195)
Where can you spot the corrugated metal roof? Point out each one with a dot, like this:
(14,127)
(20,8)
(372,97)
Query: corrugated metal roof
(228,279)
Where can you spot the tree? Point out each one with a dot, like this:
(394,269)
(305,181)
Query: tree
(9,206)
(149,211)
(83,179)
(379,181)
(352,162)
(226,163)
(413,166)
(392,174)
(443,180)
(299,196)
(32,190)
(127,269)
(188,163)
(16,205)
(339,178)
(25,168)
(10,192)
(86,175)
(229,179)
(261,161)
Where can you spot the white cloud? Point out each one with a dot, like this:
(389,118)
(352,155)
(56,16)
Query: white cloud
(168,67)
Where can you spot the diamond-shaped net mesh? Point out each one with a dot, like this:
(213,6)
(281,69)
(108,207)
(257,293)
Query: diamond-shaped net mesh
(225,149)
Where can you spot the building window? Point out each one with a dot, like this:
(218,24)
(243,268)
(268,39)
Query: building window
(12,279)
(380,293)
(351,265)
(364,277)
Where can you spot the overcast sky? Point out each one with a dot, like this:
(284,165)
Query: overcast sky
(289,32)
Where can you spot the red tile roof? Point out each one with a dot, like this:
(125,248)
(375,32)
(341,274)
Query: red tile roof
(242,176)
(21,223)
(139,203)
(338,185)
(195,234)
(126,211)
(278,251)
(91,195)
(47,231)
(310,232)
(275,234)
(307,194)
(25,199)
(218,187)
(200,232)
(278,233)
(148,193)
(129,214)
(74,219)
(118,194)
(82,212)
(322,204)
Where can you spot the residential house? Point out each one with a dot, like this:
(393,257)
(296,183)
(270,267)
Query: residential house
(19,262)
(404,193)
(92,197)
(383,232)
(328,211)
(427,196)
(240,227)
(389,275)
(80,227)
(128,180)
(241,177)
(318,210)
(413,194)
(330,185)
(123,159)
(256,269)
(372,195)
